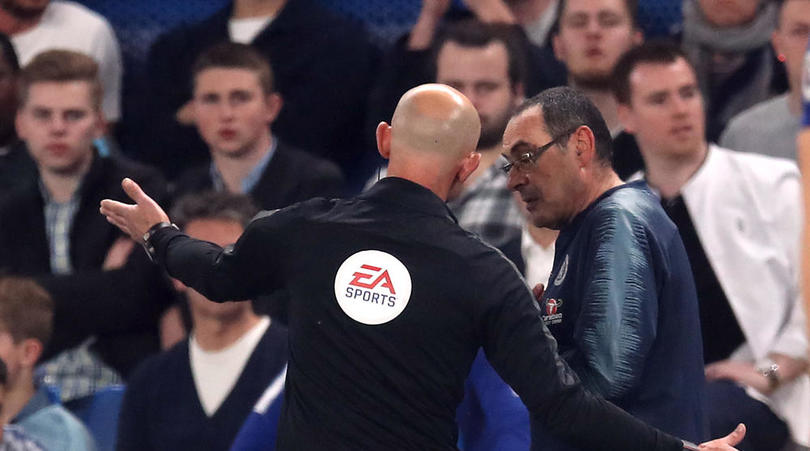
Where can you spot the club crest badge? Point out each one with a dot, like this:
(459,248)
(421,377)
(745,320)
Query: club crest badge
(562,273)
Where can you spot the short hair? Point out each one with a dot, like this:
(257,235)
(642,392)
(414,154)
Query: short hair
(9,55)
(565,108)
(631,5)
(61,66)
(26,309)
(476,34)
(658,51)
(217,205)
(232,55)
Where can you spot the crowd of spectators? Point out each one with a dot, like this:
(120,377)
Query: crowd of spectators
(267,103)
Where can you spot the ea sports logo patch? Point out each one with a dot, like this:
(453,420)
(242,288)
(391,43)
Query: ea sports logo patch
(372,287)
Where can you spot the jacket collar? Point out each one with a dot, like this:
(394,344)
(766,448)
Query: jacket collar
(580,217)
(38,401)
(94,176)
(410,195)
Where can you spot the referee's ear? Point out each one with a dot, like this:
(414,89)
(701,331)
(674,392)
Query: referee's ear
(468,165)
(384,139)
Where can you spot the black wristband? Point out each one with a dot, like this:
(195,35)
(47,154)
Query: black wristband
(147,238)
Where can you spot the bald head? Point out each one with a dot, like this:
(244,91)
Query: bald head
(435,119)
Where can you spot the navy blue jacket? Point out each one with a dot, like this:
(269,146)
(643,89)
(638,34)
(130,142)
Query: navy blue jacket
(621,303)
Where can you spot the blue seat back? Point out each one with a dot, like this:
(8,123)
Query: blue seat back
(100,414)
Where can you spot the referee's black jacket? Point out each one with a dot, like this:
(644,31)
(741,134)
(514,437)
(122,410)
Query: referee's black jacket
(390,299)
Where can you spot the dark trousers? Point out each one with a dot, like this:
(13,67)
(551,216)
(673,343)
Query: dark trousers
(729,405)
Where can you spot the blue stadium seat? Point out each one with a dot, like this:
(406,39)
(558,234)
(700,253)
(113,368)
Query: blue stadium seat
(100,414)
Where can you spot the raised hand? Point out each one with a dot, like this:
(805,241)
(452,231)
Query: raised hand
(134,220)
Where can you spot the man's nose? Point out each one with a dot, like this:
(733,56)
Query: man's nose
(515,179)
(593,28)
(680,106)
(57,124)
(226,110)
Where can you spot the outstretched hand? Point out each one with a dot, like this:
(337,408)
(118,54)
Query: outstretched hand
(725,443)
(134,220)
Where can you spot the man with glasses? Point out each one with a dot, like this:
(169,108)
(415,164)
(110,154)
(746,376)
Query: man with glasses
(620,299)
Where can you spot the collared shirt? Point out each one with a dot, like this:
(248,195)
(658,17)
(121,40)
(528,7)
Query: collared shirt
(253,177)
(58,223)
(487,209)
(538,260)
(52,425)
(78,372)
(38,401)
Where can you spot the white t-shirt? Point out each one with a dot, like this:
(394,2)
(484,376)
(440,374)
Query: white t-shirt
(215,373)
(70,26)
(244,30)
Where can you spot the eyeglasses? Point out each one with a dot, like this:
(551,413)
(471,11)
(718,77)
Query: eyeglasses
(525,162)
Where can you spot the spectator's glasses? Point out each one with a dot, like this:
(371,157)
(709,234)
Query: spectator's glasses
(525,162)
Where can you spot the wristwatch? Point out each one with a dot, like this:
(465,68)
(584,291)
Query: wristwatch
(147,238)
(770,370)
(690,446)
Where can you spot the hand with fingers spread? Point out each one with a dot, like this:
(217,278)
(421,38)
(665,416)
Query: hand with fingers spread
(134,220)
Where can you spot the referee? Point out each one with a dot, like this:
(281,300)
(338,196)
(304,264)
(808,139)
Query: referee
(390,300)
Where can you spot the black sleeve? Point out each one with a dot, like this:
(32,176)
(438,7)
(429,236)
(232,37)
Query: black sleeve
(248,269)
(324,180)
(100,302)
(524,353)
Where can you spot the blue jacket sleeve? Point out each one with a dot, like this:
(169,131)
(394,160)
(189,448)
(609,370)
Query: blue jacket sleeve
(491,416)
(258,432)
(617,325)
